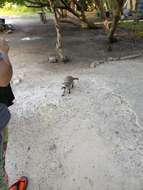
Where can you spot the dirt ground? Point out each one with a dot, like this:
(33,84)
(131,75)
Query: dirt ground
(91,139)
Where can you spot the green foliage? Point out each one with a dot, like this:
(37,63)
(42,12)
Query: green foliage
(16,10)
(135,27)
(2,2)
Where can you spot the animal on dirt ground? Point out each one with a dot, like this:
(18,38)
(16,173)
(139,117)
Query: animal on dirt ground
(68,84)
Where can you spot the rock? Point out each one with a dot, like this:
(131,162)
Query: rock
(17,81)
(65,59)
(52,59)
(93,64)
(52,147)
(113,58)
(54,165)
(100,62)
(60,165)
(84,25)
(9,32)
(109,48)
(110,59)
(133,56)
(28,148)
(117,132)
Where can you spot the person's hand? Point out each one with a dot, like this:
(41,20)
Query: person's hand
(4,47)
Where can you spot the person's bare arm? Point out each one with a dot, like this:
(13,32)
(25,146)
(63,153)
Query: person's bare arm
(5,65)
(5,72)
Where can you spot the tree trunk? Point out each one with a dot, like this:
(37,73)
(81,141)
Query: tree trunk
(59,43)
(73,5)
(84,21)
(131,5)
(72,8)
(115,21)
(116,17)
(136,5)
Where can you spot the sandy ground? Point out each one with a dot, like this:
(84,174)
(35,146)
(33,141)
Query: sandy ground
(91,139)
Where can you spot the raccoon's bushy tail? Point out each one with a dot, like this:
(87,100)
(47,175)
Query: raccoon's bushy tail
(75,78)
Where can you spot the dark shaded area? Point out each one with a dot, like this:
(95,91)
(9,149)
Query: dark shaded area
(80,44)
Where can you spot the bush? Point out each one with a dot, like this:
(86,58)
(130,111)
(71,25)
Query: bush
(10,9)
(135,27)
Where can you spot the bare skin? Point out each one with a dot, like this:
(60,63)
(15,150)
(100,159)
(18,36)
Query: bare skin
(106,21)
(5,65)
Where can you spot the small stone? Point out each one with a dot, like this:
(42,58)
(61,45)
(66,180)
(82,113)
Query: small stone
(53,166)
(52,147)
(63,173)
(15,165)
(9,31)
(65,59)
(74,179)
(93,65)
(60,165)
(110,59)
(51,188)
(28,148)
(26,163)
(100,62)
(52,59)
(117,132)
(109,48)
(84,25)
(17,81)
(91,182)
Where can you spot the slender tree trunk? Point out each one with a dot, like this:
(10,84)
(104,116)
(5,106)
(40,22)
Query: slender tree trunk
(73,5)
(83,18)
(84,21)
(116,17)
(115,21)
(59,43)
(136,5)
(72,8)
(130,5)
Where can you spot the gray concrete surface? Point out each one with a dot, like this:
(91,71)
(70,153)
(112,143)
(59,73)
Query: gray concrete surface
(89,140)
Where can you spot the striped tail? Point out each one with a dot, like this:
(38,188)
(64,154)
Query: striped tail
(75,78)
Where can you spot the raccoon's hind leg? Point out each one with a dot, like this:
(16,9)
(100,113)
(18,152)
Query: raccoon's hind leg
(63,94)
(69,90)
(72,85)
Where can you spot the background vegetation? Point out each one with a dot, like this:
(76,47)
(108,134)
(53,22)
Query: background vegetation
(10,9)
(135,27)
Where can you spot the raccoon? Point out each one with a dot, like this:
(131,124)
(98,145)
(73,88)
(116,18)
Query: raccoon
(68,84)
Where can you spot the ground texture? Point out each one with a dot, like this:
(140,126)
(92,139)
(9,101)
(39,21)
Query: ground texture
(89,140)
